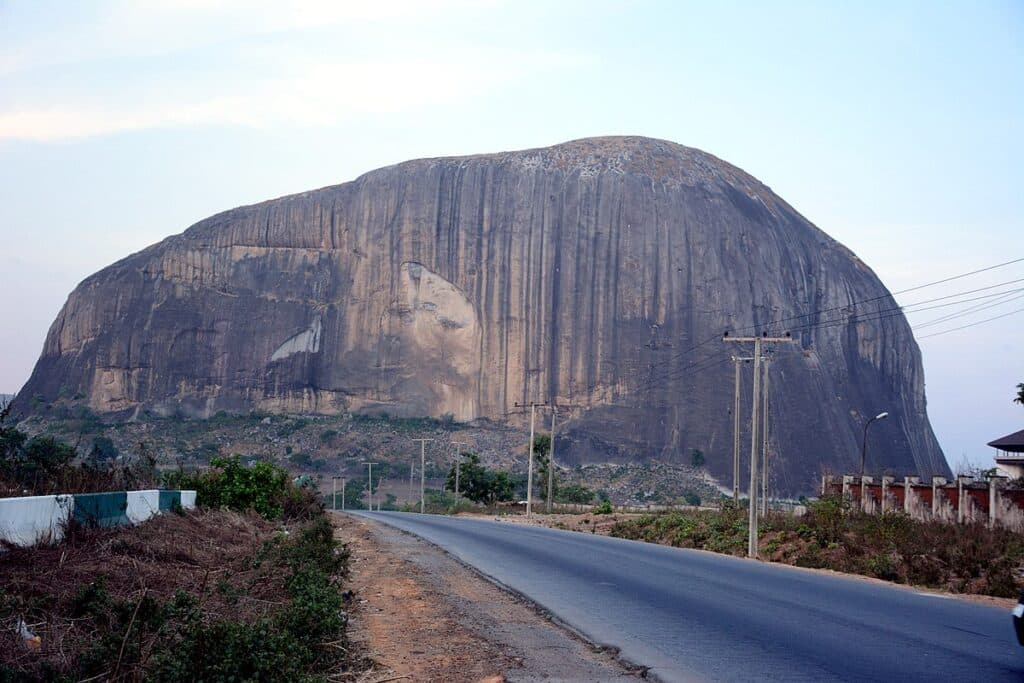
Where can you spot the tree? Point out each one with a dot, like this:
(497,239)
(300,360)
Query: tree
(355,489)
(1020,394)
(103,449)
(32,464)
(541,451)
(575,493)
(478,483)
(697,457)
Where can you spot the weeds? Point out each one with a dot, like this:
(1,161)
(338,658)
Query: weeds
(892,546)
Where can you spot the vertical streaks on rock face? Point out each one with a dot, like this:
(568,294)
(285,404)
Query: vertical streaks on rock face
(599,272)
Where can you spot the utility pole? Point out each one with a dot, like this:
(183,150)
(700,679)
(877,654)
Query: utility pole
(343,483)
(369,485)
(736,431)
(529,470)
(458,462)
(764,443)
(758,341)
(423,456)
(334,493)
(412,470)
(551,461)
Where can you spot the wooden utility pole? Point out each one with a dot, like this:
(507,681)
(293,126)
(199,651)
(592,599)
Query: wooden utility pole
(764,443)
(369,485)
(458,463)
(551,462)
(736,431)
(423,457)
(529,470)
(754,483)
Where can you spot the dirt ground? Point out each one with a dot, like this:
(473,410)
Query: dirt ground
(422,616)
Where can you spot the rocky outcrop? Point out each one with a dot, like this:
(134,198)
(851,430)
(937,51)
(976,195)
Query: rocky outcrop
(600,273)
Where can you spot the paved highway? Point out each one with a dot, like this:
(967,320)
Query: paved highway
(691,615)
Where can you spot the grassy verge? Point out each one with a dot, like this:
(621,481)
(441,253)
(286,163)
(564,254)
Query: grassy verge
(959,558)
(218,594)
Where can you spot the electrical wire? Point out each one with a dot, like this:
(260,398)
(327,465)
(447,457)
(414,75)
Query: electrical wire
(972,309)
(701,364)
(977,322)
(774,323)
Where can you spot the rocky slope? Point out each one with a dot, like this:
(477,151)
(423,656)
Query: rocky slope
(600,273)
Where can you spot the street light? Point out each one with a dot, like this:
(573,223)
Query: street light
(864,443)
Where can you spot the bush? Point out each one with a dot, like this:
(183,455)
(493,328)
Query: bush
(575,493)
(263,487)
(893,546)
(697,457)
(605,508)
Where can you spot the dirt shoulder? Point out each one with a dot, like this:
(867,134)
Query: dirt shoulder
(421,615)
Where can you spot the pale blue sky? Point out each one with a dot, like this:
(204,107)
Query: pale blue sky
(896,127)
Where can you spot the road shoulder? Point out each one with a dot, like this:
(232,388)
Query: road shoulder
(421,615)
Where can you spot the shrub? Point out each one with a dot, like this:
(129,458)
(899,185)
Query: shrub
(263,487)
(574,493)
(605,508)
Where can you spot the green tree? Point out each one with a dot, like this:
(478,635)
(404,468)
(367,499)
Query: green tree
(697,457)
(230,484)
(103,449)
(355,489)
(575,493)
(542,460)
(1020,394)
(478,483)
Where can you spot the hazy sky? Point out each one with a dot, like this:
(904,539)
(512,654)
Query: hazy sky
(896,127)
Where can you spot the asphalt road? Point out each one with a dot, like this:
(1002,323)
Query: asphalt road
(691,615)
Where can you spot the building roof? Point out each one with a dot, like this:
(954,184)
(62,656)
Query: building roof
(1012,443)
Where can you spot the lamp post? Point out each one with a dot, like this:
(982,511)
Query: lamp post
(864,443)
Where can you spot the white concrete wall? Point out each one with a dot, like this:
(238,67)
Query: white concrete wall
(34,519)
(142,505)
(28,520)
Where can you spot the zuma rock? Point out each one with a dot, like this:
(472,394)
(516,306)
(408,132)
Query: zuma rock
(599,274)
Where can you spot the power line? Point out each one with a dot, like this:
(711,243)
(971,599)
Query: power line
(905,306)
(978,322)
(973,309)
(851,304)
(957,277)
(701,364)
(881,314)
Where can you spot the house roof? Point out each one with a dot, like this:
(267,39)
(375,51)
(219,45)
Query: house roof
(1012,443)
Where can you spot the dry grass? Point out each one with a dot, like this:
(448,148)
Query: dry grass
(66,594)
(971,559)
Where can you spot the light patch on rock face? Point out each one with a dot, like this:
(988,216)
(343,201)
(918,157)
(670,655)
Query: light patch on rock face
(433,300)
(440,332)
(307,341)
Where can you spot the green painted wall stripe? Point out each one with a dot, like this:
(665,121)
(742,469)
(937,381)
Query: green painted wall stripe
(101,509)
(169,500)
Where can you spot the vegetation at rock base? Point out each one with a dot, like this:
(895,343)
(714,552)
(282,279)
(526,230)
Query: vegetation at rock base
(697,457)
(961,558)
(574,493)
(43,464)
(479,484)
(218,594)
